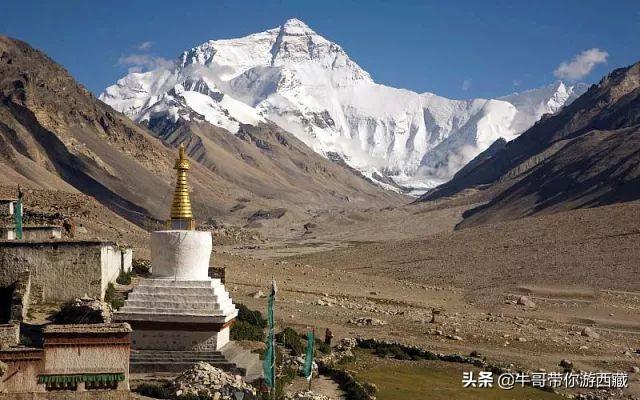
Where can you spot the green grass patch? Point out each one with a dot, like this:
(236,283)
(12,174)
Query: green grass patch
(435,380)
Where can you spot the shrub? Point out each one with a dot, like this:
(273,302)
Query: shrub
(110,293)
(117,303)
(124,278)
(290,339)
(242,330)
(110,297)
(155,391)
(250,316)
(322,347)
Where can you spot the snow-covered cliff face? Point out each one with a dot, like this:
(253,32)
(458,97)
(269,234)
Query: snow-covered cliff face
(310,87)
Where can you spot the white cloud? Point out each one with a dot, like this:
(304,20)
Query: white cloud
(466,84)
(517,82)
(145,45)
(144,62)
(581,64)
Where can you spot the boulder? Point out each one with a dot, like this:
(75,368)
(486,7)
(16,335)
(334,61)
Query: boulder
(588,332)
(258,295)
(525,301)
(566,364)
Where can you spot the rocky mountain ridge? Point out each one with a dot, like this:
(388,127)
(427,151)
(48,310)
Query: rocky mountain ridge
(55,134)
(586,155)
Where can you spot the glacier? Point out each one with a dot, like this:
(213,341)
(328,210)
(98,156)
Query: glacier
(308,85)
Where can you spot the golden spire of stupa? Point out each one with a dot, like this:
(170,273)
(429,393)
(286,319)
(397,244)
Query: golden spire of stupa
(181,214)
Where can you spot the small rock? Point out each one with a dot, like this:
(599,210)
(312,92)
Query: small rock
(367,321)
(634,370)
(525,301)
(566,364)
(258,295)
(588,332)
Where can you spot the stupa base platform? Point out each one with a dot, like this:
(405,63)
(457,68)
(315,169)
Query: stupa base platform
(168,314)
(231,358)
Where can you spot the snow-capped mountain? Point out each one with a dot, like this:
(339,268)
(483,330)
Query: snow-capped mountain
(310,87)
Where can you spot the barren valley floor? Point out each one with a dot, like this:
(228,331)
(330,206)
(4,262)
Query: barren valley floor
(580,268)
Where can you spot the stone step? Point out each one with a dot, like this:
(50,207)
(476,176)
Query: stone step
(126,309)
(181,297)
(147,367)
(155,282)
(250,362)
(186,291)
(211,306)
(192,360)
(190,353)
(173,297)
(178,361)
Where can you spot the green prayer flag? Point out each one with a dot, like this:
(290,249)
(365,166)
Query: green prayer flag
(18,217)
(308,358)
(269,363)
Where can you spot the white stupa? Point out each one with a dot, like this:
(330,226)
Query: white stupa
(180,307)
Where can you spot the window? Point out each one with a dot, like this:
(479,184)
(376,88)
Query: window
(61,386)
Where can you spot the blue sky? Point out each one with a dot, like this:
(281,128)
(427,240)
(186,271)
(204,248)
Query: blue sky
(456,49)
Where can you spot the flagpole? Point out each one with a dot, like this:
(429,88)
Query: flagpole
(273,339)
(313,351)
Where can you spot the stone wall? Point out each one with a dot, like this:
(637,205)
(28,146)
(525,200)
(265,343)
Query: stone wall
(69,350)
(7,233)
(21,297)
(9,335)
(60,270)
(110,266)
(127,258)
(142,339)
(88,395)
(32,233)
(69,359)
(24,365)
(7,207)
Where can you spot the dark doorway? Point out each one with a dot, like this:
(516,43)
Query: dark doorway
(5,303)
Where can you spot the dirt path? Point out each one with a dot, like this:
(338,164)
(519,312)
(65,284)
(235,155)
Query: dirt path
(320,385)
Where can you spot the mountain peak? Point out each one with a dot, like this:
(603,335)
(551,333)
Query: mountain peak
(295,26)
(309,85)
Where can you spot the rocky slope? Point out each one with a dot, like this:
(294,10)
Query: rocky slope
(587,155)
(309,86)
(54,134)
